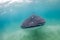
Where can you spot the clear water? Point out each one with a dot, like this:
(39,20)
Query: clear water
(12,16)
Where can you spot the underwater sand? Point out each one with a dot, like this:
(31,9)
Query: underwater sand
(49,31)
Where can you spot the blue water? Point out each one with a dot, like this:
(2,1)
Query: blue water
(12,16)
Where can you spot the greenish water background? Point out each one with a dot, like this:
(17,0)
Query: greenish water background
(11,17)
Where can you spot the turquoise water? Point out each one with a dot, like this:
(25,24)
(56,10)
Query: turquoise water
(12,16)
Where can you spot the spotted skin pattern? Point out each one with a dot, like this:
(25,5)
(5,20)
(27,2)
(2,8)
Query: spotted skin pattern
(33,21)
